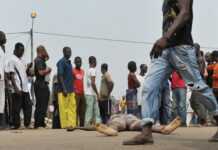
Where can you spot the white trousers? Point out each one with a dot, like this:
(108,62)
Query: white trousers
(2,96)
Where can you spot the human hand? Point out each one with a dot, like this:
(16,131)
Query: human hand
(158,47)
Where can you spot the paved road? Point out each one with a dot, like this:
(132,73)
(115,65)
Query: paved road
(182,139)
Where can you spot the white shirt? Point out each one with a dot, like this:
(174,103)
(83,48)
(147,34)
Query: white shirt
(91,73)
(139,90)
(2,64)
(16,63)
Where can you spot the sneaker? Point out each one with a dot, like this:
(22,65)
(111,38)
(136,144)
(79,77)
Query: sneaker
(101,128)
(145,137)
(214,138)
(172,126)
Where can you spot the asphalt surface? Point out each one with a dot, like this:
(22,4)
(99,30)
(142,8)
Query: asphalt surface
(182,139)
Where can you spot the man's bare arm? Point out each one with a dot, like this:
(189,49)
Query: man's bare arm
(94,85)
(181,19)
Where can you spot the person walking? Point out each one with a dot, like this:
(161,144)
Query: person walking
(174,51)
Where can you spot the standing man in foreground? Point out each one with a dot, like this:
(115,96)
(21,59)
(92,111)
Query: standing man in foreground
(106,88)
(66,96)
(78,75)
(20,96)
(174,50)
(92,116)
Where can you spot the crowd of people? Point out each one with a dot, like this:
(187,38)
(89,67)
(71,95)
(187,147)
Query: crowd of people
(72,105)
(179,85)
(69,102)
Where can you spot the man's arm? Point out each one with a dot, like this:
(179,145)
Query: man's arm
(94,85)
(17,91)
(61,80)
(181,19)
(44,72)
(60,71)
(41,68)
(137,83)
(110,83)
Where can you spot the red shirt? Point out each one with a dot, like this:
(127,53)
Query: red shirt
(215,76)
(177,81)
(78,81)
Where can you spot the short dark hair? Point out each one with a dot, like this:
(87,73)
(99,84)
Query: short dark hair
(66,48)
(92,59)
(142,66)
(132,66)
(77,57)
(18,46)
(104,66)
(215,54)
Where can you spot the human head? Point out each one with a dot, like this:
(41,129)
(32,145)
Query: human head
(67,52)
(19,50)
(208,57)
(78,62)
(3,39)
(215,55)
(143,69)
(197,46)
(197,49)
(104,68)
(132,66)
(92,61)
(42,52)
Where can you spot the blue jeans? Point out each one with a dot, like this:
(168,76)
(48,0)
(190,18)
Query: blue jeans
(179,101)
(180,58)
(165,104)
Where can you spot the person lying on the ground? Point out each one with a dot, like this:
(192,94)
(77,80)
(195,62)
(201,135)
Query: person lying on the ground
(128,122)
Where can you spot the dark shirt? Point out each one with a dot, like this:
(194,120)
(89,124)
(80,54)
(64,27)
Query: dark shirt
(39,65)
(131,82)
(65,68)
(183,36)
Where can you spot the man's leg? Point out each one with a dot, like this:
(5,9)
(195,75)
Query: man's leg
(102,111)
(82,110)
(165,111)
(2,103)
(158,72)
(89,110)
(97,116)
(181,104)
(77,109)
(27,109)
(198,108)
(42,98)
(17,105)
(37,112)
(71,111)
(184,59)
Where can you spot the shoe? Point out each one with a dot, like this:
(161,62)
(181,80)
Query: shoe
(145,137)
(101,128)
(70,129)
(214,138)
(172,126)
(216,119)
